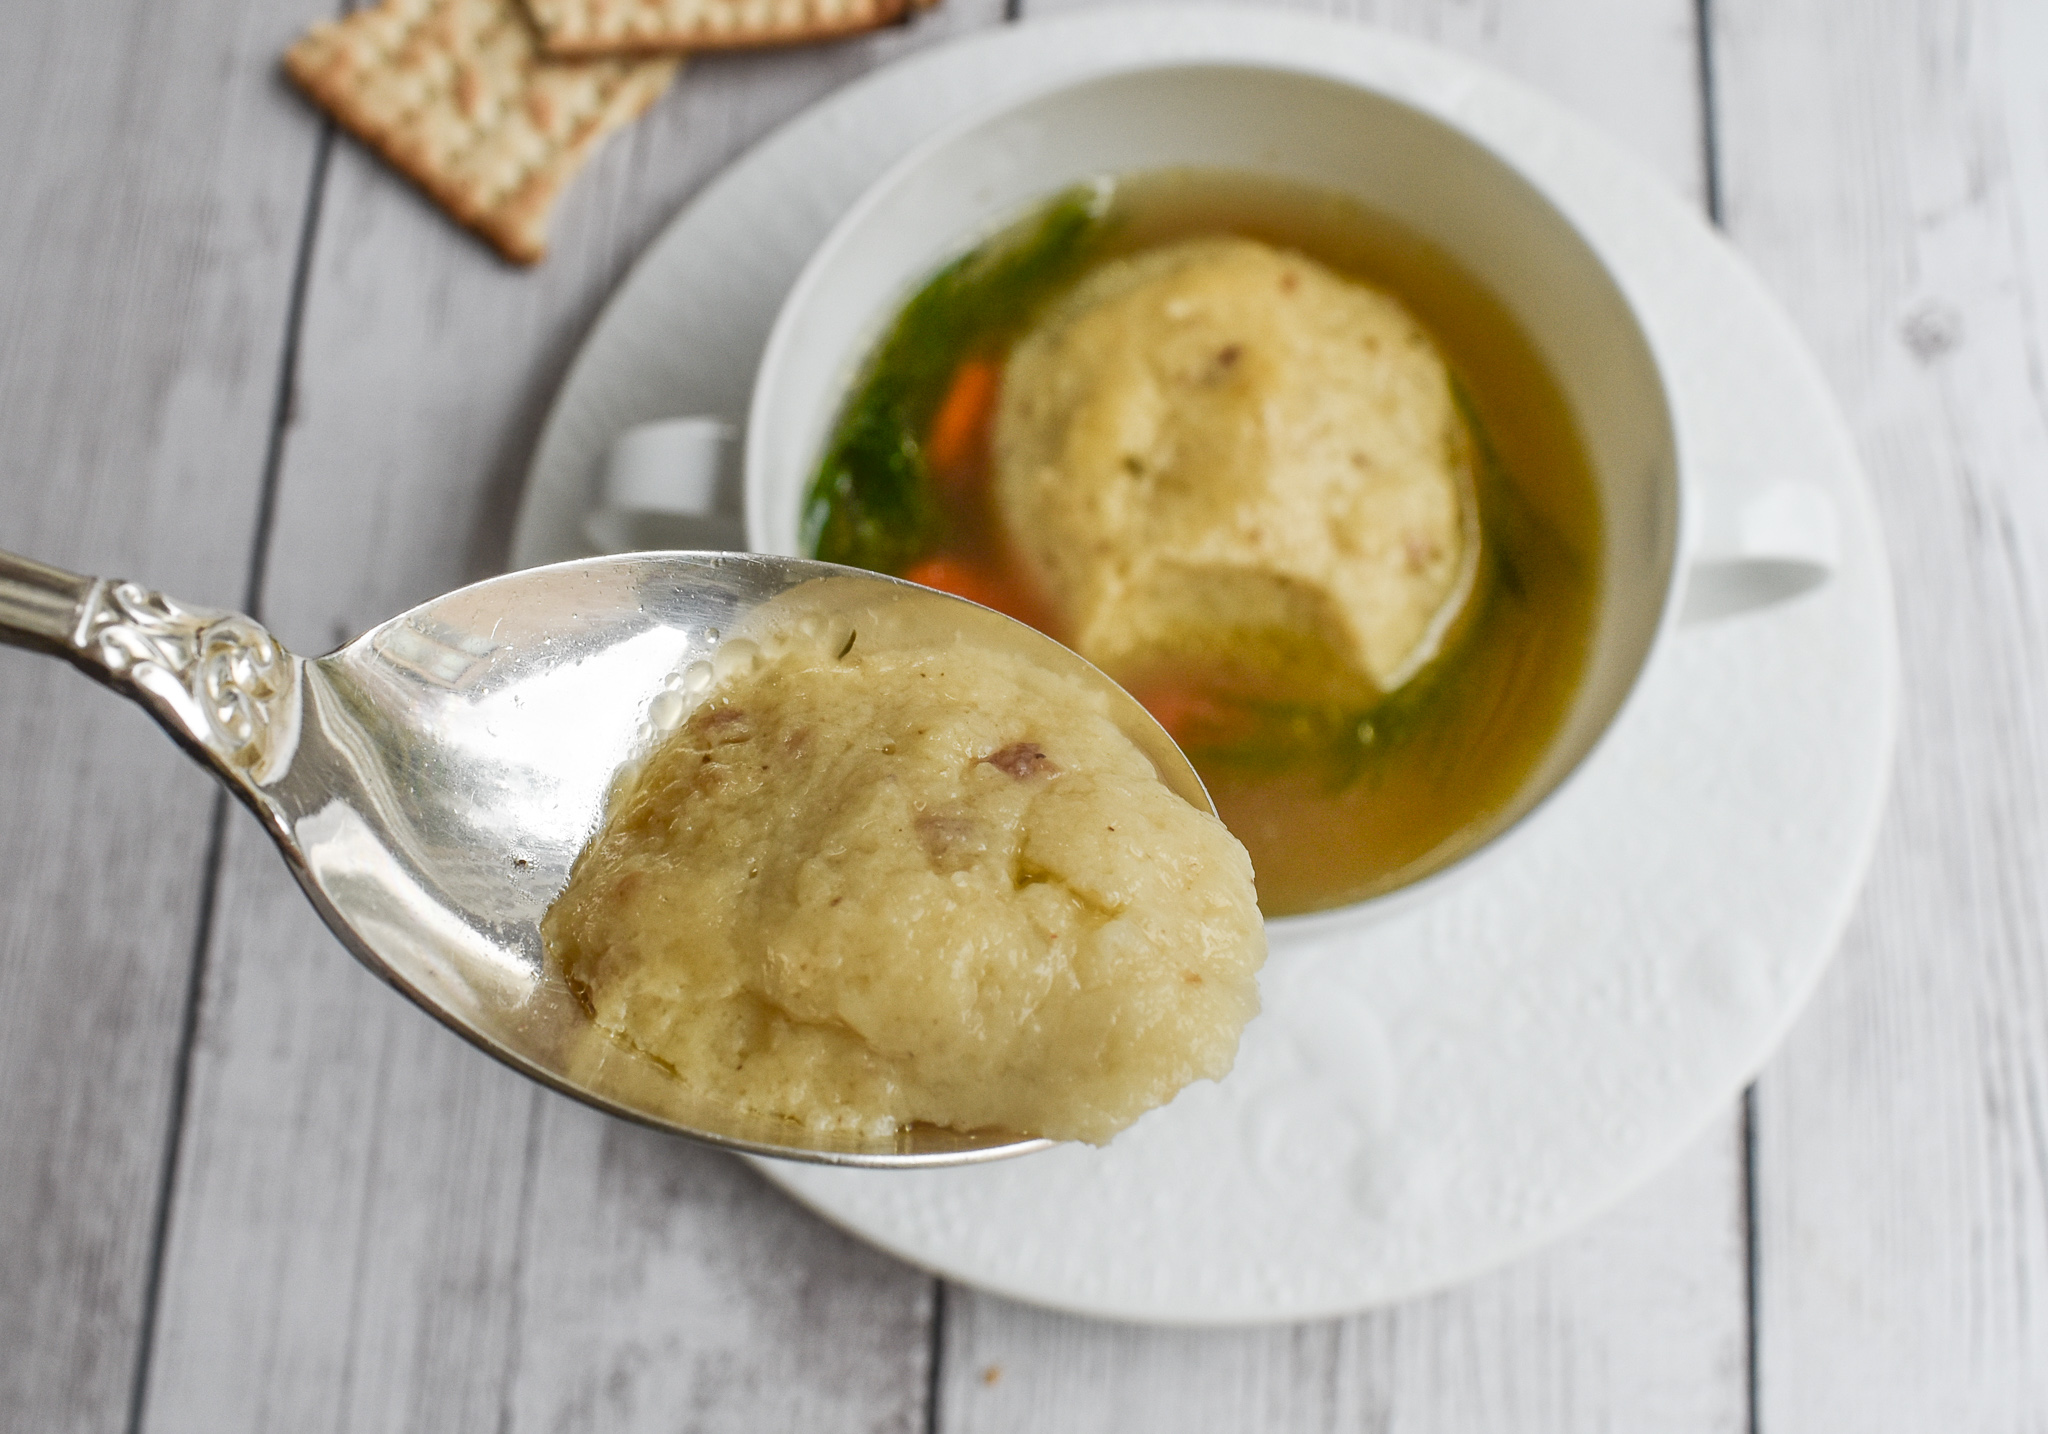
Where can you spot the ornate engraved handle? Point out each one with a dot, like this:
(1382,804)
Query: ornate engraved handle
(220,683)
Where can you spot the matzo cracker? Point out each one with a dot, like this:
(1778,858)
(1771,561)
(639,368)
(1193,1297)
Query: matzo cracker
(457,95)
(592,27)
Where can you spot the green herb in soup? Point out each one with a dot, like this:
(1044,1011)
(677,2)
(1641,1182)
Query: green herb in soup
(1343,776)
(873,503)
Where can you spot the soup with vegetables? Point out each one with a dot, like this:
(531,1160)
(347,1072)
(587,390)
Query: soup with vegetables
(1282,469)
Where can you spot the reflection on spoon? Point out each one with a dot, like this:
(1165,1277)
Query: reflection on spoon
(431,783)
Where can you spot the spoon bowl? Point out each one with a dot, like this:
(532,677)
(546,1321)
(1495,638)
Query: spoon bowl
(432,782)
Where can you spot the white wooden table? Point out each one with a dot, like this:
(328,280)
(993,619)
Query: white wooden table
(243,1187)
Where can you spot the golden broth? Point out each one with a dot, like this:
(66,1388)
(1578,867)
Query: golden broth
(1333,804)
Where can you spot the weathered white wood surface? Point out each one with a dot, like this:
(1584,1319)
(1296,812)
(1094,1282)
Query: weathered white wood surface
(153,182)
(1886,167)
(371,1227)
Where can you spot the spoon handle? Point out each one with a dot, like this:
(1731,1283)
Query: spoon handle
(217,681)
(39,604)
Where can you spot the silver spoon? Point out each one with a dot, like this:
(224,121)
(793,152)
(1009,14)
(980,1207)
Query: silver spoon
(431,783)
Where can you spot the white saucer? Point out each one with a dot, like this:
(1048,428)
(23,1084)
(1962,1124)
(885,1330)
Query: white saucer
(1452,1087)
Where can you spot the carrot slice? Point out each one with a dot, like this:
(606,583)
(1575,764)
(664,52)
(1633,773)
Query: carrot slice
(950,575)
(1182,711)
(960,427)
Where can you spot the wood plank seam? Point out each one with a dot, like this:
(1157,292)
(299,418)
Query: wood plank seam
(1710,178)
(1752,1272)
(1710,148)
(174,1122)
(936,1360)
(285,407)
(283,404)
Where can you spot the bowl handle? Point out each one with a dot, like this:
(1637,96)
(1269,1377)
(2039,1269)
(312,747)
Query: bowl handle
(1775,546)
(669,484)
